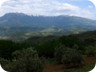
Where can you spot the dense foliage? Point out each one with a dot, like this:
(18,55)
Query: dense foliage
(25,60)
(72,57)
(69,56)
(68,50)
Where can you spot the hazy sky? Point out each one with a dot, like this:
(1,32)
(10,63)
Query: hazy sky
(82,8)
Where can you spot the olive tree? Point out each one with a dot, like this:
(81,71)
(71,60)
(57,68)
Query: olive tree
(90,51)
(72,57)
(68,56)
(26,60)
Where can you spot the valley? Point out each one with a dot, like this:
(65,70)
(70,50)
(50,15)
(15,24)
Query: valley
(18,26)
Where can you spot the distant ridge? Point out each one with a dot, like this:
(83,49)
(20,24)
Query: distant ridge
(22,25)
(23,19)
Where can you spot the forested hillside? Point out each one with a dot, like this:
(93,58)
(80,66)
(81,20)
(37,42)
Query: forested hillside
(18,26)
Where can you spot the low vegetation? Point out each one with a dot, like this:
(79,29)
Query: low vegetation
(26,56)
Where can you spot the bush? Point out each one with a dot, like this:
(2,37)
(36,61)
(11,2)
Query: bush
(72,57)
(68,56)
(6,48)
(5,64)
(59,53)
(47,49)
(90,50)
(26,60)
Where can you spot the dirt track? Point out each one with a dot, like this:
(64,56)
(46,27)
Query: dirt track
(60,67)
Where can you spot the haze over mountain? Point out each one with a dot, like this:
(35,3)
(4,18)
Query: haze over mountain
(24,26)
(81,8)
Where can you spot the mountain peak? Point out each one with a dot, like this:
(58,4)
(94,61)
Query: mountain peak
(13,19)
(14,14)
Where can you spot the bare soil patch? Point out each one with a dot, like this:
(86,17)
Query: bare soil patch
(60,67)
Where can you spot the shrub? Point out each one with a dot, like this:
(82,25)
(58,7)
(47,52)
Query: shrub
(72,57)
(90,50)
(5,63)
(26,60)
(59,53)
(47,49)
(68,56)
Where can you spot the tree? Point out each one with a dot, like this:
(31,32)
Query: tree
(68,56)
(26,60)
(90,50)
(72,57)
(59,53)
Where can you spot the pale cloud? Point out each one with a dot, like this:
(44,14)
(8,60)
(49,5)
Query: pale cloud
(90,6)
(36,7)
(84,13)
(94,2)
(44,7)
(2,1)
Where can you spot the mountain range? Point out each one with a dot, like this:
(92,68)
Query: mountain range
(22,26)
